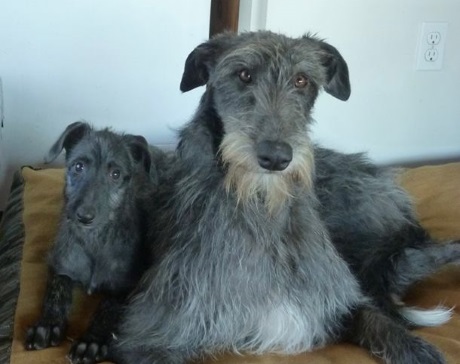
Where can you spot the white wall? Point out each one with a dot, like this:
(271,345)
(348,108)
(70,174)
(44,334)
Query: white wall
(395,113)
(119,63)
(112,62)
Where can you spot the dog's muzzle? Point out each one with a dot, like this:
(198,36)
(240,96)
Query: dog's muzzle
(274,156)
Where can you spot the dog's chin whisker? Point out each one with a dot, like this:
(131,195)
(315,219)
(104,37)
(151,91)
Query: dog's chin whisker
(247,180)
(270,189)
(302,176)
(301,170)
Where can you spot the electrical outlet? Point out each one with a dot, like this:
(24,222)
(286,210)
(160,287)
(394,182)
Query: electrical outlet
(434,38)
(431,55)
(430,51)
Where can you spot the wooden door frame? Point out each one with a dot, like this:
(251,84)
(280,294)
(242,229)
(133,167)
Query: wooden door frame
(224,16)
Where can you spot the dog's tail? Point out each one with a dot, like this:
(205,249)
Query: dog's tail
(433,317)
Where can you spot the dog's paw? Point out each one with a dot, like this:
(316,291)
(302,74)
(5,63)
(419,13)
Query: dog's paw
(88,351)
(41,335)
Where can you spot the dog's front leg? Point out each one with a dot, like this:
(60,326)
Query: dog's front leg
(50,329)
(93,346)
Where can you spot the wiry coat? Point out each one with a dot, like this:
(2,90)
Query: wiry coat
(373,224)
(104,254)
(245,262)
(100,243)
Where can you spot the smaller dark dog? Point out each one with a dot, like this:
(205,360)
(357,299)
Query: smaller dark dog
(100,241)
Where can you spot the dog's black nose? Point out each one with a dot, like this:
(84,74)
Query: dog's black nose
(85,216)
(274,156)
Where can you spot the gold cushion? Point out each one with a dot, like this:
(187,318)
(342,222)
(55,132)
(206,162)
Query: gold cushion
(436,193)
(42,205)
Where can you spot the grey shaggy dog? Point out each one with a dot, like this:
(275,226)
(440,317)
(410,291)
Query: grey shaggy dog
(245,261)
(100,243)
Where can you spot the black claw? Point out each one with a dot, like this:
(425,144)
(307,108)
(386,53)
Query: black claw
(83,352)
(103,353)
(42,336)
(92,350)
(56,336)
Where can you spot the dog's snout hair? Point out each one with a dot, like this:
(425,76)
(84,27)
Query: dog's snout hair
(250,180)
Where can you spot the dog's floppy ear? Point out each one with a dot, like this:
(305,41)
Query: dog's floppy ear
(139,149)
(195,70)
(202,59)
(338,81)
(71,136)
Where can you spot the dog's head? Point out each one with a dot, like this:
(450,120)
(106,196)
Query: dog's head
(102,171)
(317,61)
(261,88)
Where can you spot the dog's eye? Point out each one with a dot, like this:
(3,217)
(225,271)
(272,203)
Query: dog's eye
(245,75)
(300,81)
(79,167)
(115,174)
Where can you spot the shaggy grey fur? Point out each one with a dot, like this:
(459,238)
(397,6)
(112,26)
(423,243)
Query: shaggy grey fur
(100,243)
(244,261)
(373,225)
